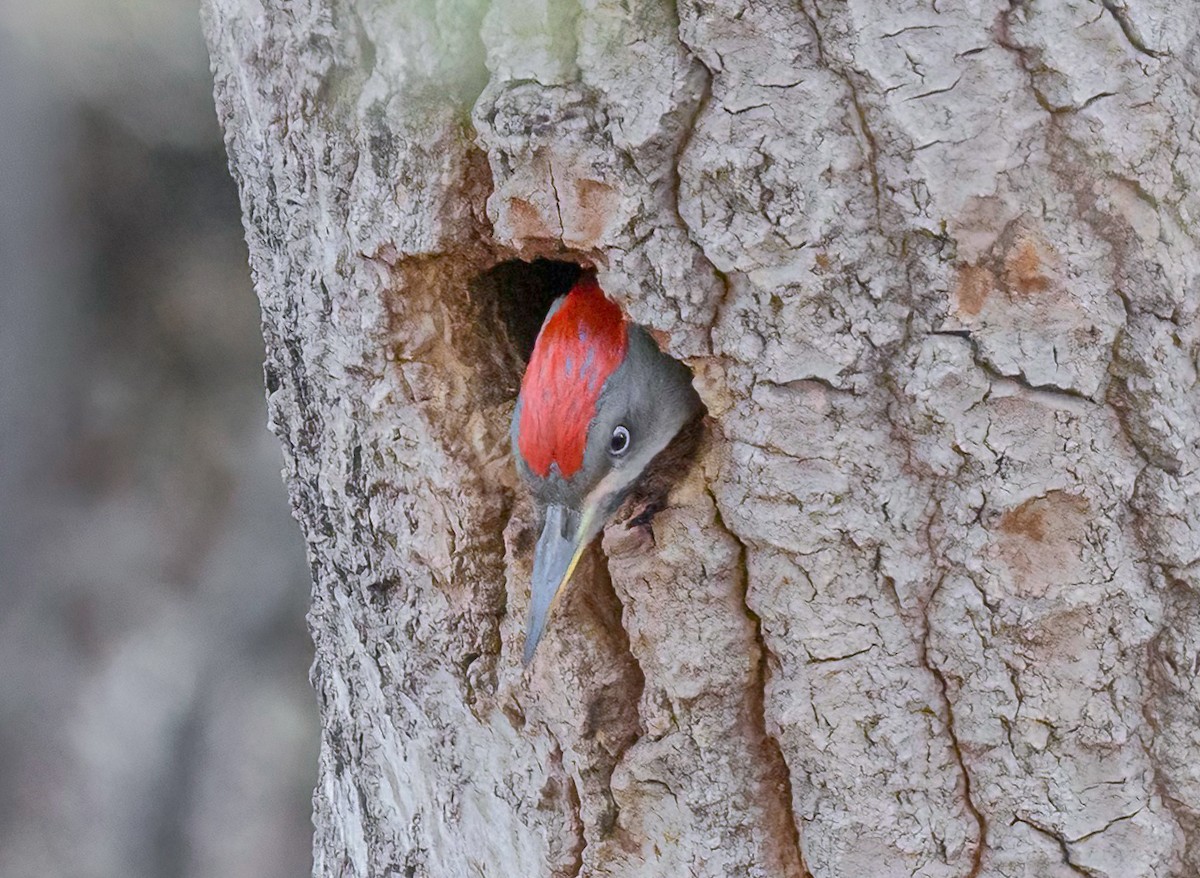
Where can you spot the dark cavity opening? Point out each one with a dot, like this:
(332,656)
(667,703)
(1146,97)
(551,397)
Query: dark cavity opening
(514,297)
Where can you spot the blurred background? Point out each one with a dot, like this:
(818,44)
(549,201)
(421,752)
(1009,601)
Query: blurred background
(155,715)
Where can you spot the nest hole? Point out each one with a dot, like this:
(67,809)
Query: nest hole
(514,297)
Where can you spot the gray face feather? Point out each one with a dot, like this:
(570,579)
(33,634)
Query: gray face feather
(650,395)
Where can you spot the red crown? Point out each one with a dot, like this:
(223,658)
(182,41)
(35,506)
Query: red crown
(576,351)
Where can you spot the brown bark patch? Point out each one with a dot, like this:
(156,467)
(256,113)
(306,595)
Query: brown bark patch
(971,289)
(526,221)
(661,337)
(1040,541)
(1025,267)
(591,213)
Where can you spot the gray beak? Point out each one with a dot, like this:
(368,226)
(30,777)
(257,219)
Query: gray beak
(564,537)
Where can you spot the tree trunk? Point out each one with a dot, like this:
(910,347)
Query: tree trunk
(928,602)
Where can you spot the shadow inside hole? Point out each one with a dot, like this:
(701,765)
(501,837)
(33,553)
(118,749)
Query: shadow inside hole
(514,297)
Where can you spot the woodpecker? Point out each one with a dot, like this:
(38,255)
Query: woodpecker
(599,403)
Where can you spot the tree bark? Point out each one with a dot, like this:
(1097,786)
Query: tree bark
(928,603)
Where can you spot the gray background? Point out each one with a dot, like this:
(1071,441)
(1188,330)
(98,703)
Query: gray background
(155,717)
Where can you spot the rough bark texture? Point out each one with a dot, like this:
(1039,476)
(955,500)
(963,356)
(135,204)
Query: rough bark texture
(928,604)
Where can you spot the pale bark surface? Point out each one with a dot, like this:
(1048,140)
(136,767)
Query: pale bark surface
(928,604)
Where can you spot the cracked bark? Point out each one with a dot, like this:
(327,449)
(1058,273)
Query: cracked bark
(923,607)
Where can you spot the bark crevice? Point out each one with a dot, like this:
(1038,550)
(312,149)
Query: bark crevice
(947,704)
(758,695)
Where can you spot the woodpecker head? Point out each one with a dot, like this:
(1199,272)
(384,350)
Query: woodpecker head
(598,402)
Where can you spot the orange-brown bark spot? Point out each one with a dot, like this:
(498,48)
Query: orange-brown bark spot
(1024,268)
(661,337)
(590,215)
(972,288)
(1041,541)
(526,221)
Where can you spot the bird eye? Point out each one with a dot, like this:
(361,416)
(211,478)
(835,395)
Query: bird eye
(620,440)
